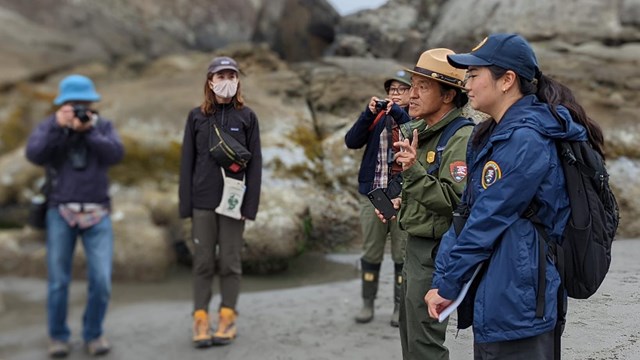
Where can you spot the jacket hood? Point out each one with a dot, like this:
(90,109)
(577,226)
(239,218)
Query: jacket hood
(532,113)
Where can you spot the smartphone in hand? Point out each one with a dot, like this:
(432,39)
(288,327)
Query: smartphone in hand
(381,201)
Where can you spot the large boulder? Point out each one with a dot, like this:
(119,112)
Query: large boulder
(30,49)
(297,29)
(398,29)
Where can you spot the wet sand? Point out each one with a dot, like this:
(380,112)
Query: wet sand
(309,318)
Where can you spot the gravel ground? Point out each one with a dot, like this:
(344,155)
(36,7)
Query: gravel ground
(306,322)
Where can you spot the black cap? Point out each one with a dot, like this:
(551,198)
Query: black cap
(222,63)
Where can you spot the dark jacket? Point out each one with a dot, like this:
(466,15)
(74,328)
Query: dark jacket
(201,181)
(518,163)
(54,147)
(359,136)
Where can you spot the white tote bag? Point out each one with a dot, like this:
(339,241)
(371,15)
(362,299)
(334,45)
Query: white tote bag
(232,196)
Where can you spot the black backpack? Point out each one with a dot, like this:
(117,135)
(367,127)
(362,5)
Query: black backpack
(584,256)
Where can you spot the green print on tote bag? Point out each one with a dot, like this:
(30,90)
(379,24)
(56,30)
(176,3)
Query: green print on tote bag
(232,196)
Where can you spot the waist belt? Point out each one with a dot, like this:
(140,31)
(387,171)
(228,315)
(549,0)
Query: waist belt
(83,207)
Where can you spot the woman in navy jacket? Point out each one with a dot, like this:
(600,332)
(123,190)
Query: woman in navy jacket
(512,161)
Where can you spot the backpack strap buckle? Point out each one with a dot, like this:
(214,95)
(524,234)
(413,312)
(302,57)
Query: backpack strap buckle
(531,211)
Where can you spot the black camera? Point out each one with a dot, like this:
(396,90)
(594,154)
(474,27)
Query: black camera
(381,104)
(82,112)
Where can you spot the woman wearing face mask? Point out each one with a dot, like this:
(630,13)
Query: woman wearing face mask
(217,237)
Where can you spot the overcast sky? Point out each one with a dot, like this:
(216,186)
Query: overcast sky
(346,7)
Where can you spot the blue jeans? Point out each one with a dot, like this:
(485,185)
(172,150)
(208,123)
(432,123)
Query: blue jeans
(97,242)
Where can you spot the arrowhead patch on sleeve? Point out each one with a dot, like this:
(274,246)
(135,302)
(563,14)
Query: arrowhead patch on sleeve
(458,170)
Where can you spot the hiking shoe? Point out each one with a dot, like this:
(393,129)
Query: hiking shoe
(58,349)
(227,330)
(201,329)
(99,346)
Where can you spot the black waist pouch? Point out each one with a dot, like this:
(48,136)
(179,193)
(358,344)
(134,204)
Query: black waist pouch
(227,151)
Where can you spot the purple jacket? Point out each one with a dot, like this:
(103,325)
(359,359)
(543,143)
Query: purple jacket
(55,147)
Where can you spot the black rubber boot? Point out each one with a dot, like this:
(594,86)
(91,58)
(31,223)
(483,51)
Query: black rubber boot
(397,288)
(370,273)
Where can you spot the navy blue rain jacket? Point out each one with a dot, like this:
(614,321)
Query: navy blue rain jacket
(359,136)
(518,163)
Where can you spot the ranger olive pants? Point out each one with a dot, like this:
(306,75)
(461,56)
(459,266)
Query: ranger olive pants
(421,336)
(374,233)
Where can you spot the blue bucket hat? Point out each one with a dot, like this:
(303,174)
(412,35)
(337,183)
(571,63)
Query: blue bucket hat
(76,88)
(508,51)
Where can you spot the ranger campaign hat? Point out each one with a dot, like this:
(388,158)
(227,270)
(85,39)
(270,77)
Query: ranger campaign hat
(433,64)
(508,51)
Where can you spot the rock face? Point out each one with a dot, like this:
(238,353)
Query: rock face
(136,53)
(40,37)
(574,22)
(399,29)
(296,29)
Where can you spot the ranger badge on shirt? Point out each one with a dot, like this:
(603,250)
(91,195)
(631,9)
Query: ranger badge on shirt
(490,174)
(431,157)
(458,170)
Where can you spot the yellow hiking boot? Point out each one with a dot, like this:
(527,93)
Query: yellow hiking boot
(201,329)
(227,330)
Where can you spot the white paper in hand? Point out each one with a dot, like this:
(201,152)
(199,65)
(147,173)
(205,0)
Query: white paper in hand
(463,292)
(232,196)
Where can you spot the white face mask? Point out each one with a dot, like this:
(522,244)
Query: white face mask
(225,89)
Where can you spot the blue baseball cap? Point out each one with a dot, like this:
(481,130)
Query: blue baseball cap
(76,88)
(508,51)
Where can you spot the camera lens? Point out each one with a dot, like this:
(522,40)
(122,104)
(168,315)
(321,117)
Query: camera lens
(82,113)
(381,104)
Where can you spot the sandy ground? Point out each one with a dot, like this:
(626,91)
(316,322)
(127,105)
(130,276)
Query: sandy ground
(308,322)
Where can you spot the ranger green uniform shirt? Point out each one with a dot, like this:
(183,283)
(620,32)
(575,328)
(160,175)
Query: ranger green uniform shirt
(428,201)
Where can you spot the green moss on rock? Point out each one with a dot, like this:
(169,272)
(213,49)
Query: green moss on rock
(13,130)
(143,162)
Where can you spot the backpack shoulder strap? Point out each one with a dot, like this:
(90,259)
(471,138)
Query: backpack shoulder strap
(447,133)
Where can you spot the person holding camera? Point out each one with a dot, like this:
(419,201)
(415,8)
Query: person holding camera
(206,180)
(434,172)
(77,146)
(377,129)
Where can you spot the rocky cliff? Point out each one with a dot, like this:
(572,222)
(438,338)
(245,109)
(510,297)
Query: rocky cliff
(307,75)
